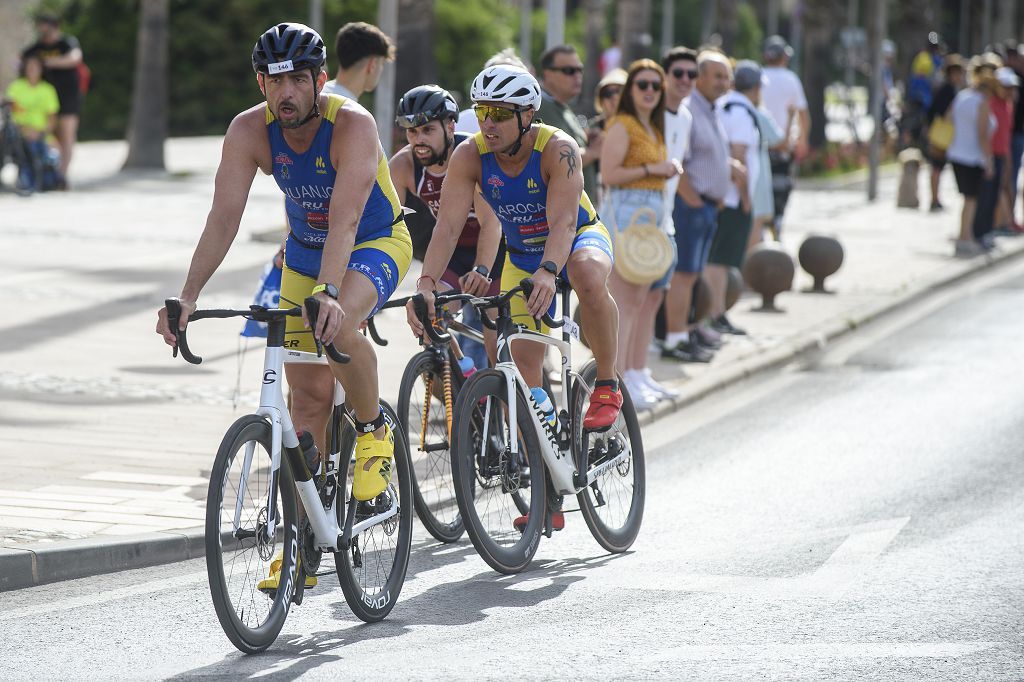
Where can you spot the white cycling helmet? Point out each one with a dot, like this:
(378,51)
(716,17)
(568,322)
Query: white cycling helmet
(506,83)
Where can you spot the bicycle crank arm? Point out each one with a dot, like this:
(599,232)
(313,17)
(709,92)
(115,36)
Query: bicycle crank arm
(345,539)
(603,466)
(435,447)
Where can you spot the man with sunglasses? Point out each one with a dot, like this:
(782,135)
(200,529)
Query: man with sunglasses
(427,114)
(530,176)
(561,81)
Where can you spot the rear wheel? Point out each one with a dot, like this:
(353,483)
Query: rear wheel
(238,552)
(492,485)
(421,408)
(372,570)
(613,504)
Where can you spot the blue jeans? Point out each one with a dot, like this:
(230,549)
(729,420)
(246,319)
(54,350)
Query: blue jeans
(695,228)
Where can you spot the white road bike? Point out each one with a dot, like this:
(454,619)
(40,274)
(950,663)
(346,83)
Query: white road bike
(251,511)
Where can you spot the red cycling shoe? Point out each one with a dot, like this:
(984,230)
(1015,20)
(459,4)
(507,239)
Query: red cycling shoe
(604,408)
(557,521)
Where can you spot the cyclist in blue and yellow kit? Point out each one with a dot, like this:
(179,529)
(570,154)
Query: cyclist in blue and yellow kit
(347,243)
(531,176)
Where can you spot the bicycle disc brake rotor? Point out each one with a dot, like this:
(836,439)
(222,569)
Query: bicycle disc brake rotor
(264,545)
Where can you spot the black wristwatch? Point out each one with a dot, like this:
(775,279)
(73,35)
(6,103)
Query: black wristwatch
(482,271)
(328,289)
(550,266)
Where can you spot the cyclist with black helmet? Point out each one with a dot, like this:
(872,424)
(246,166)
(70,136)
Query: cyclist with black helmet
(347,244)
(531,175)
(427,114)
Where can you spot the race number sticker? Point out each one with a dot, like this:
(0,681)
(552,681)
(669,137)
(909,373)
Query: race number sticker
(280,67)
(571,327)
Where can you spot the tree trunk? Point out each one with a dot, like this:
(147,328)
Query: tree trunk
(822,18)
(634,19)
(728,24)
(147,127)
(415,64)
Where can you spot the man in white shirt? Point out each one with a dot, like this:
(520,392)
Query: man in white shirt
(729,245)
(784,98)
(362,50)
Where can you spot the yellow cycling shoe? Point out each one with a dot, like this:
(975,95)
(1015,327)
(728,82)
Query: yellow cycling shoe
(270,584)
(373,464)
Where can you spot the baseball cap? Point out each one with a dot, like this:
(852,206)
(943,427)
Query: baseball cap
(1007,77)
(748,74)
(776,46)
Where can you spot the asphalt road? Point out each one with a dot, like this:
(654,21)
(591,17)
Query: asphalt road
(855,516)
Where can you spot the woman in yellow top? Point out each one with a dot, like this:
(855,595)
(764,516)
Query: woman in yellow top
(635,167)
(34,109)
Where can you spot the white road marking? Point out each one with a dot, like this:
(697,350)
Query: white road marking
(819,650)
(146,479)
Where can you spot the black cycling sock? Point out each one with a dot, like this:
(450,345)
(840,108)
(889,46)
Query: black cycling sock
(371,426)
(610,383)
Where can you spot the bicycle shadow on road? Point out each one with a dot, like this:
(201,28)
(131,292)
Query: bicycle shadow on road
(462,602)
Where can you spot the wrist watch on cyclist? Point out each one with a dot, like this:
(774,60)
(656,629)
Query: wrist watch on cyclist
(483,271)
(327,288)
(550,266)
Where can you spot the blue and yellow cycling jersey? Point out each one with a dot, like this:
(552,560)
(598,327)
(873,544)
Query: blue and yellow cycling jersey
(307,180)
(521,202)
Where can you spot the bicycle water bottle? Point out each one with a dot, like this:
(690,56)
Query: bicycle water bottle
(546,408)
(309,451)
(467,366)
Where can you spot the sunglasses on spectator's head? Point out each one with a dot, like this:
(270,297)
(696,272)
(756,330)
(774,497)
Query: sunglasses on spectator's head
(680,72)
(643,85)
(496,114)
(567,70)
(610,92)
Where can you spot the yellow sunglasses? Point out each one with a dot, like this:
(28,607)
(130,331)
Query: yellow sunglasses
(497,114)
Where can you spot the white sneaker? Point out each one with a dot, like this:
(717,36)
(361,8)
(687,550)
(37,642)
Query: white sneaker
(657,389)
(643,398)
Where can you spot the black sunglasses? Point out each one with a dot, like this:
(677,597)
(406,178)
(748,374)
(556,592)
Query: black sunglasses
(610,92)
(678,73)
(643,85)
(567,70)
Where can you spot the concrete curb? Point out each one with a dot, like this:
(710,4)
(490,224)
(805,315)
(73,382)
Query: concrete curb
(40,564)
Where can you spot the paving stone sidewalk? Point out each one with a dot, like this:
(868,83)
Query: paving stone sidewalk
(106,442)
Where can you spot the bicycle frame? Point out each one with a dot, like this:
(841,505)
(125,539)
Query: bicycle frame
(556,447)
(328,534)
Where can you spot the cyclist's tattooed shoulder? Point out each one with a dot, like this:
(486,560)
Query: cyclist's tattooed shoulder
(569,156)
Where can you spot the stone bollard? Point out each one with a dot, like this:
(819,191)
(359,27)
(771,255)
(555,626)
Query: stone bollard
(910,163)
(733,287)
(820,256)
(769,271)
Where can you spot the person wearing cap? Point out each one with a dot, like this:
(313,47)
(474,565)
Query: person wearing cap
(784,98)
(347,246)
(606,97)
(362,50)
(953,82)
(729,246)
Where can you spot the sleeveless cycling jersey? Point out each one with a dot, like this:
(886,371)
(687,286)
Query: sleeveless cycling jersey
(521,202)
(307,180)
(428,189)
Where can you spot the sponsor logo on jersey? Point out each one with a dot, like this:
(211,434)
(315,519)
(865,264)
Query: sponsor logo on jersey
(318,221)
(495,182)
(321,167)
(283,158)
(285,175)
(531,186)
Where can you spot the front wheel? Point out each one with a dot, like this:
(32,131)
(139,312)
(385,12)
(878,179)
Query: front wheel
(239,549)
(372,569)
(494,486)
(613,504)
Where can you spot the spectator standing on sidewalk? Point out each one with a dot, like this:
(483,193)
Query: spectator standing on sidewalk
(1015,60)
(61,56)
(561,81)
(970,152)
(784,98)
(1002,114)
(702,188)
(762,198)
(1003,107)
(729,247)
(362,50)
(635,167)
(938,119)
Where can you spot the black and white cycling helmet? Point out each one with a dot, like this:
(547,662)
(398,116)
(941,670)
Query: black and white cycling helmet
(288,47)
(506,83)
(423,104)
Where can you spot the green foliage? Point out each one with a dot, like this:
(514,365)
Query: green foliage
(750,36)
(468,33)
(575,33)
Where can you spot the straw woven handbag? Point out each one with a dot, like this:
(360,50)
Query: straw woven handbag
(642,251)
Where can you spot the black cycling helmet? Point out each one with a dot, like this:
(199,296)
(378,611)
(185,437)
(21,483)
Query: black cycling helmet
(289,47)
(423,104)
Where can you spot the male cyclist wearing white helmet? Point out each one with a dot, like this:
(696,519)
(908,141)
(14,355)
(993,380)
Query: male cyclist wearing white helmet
(347,245)
(531,176)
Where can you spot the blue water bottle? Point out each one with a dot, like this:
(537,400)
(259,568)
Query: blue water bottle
(544,402)
(467,366)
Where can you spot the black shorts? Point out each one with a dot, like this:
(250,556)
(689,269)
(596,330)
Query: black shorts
(70,101)
(968,178)
(729,245)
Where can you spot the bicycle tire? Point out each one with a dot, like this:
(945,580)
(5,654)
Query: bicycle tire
(432,482)
(230,577)
(486,480)
(371,600)
(612,524)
